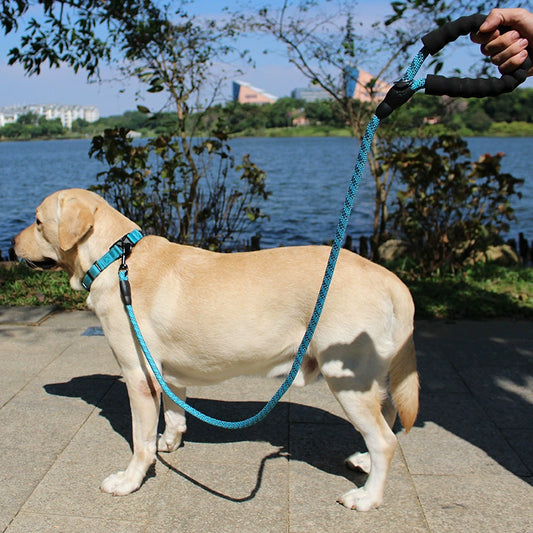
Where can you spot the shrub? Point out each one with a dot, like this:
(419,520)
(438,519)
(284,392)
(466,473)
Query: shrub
(200,202)
(450,207)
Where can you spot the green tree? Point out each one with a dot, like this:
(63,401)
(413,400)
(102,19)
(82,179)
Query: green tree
(325,46)
(31,126)
(476,119)
(49,128)
(450,208)
(136,121)
(510,107)
(167,51)
(325,112)
(12,130)
(148,183)
(28,119)
(282,111)
(80,125)
(178,58)
(245,117)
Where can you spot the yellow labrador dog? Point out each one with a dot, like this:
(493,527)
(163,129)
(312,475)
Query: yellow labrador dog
(208,316)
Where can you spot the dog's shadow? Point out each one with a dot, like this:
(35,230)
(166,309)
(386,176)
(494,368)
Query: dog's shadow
(317,437)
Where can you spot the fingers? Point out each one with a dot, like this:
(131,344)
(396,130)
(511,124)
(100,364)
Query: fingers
(483,37)
(507,51)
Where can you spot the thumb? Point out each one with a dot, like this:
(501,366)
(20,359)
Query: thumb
(494,19)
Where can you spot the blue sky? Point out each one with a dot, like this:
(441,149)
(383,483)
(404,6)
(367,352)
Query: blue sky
(272,72)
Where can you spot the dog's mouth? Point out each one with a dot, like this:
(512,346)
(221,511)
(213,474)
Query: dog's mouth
(45,264)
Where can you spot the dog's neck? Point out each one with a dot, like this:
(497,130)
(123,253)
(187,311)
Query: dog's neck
(97,243)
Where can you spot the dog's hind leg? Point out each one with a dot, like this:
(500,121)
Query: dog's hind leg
(361,460)
(145,400)
(175,424)
(362,406)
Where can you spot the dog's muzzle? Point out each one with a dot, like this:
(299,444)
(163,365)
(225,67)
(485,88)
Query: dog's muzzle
(45,264)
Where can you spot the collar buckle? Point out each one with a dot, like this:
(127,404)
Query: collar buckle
(120,250)
(126,246)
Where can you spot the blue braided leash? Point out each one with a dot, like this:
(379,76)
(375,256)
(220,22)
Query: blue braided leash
(328,275)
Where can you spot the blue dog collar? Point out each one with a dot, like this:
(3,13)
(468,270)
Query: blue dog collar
(121,248)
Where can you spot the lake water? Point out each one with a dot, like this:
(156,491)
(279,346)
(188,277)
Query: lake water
(308,178)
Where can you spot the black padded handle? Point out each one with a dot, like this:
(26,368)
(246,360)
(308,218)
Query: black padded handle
(468,87)
(449,32)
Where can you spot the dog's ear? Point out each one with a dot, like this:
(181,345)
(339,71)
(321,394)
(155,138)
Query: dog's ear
(75,220)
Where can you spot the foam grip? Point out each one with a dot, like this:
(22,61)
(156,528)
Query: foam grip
(449,32)
(477,87)
(468,87)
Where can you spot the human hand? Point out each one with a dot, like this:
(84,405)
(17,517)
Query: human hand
(510,49)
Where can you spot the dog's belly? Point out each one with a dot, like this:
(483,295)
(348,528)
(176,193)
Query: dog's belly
(214,358)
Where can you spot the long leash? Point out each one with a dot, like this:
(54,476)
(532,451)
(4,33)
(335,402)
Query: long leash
(400,93)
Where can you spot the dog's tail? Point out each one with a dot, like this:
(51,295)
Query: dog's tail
(403,383)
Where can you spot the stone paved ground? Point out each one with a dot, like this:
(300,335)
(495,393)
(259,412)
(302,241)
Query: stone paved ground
(467,465)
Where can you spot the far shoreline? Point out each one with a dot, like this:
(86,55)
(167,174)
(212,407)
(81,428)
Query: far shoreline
(497,130)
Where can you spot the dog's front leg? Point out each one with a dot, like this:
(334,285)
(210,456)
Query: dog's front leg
(144,403)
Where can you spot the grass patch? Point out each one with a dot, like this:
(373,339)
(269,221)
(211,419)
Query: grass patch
(484,291)
(303,131)
(21,286)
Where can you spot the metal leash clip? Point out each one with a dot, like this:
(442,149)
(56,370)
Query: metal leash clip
(399,94)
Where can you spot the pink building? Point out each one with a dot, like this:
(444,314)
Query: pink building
(244,93)
(358,86)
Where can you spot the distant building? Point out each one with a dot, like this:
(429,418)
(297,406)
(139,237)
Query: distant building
(245,93)
(66,113)
(359,85)
(310,94)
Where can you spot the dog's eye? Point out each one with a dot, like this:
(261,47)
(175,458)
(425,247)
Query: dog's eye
(38,221)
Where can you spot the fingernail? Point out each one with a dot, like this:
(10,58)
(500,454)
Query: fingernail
(523,42)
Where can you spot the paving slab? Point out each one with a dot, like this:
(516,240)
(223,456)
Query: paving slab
(476,503)
(39,523)
(75,321)
(27,316)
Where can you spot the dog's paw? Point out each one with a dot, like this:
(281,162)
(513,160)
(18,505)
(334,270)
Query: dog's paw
(359,461)
(359,499)
(120,484)
(166,444)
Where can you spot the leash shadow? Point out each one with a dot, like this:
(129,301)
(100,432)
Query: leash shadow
(227,497)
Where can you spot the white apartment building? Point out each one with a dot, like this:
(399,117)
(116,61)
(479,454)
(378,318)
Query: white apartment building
(66,113)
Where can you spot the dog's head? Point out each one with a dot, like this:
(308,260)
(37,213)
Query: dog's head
(63,221)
